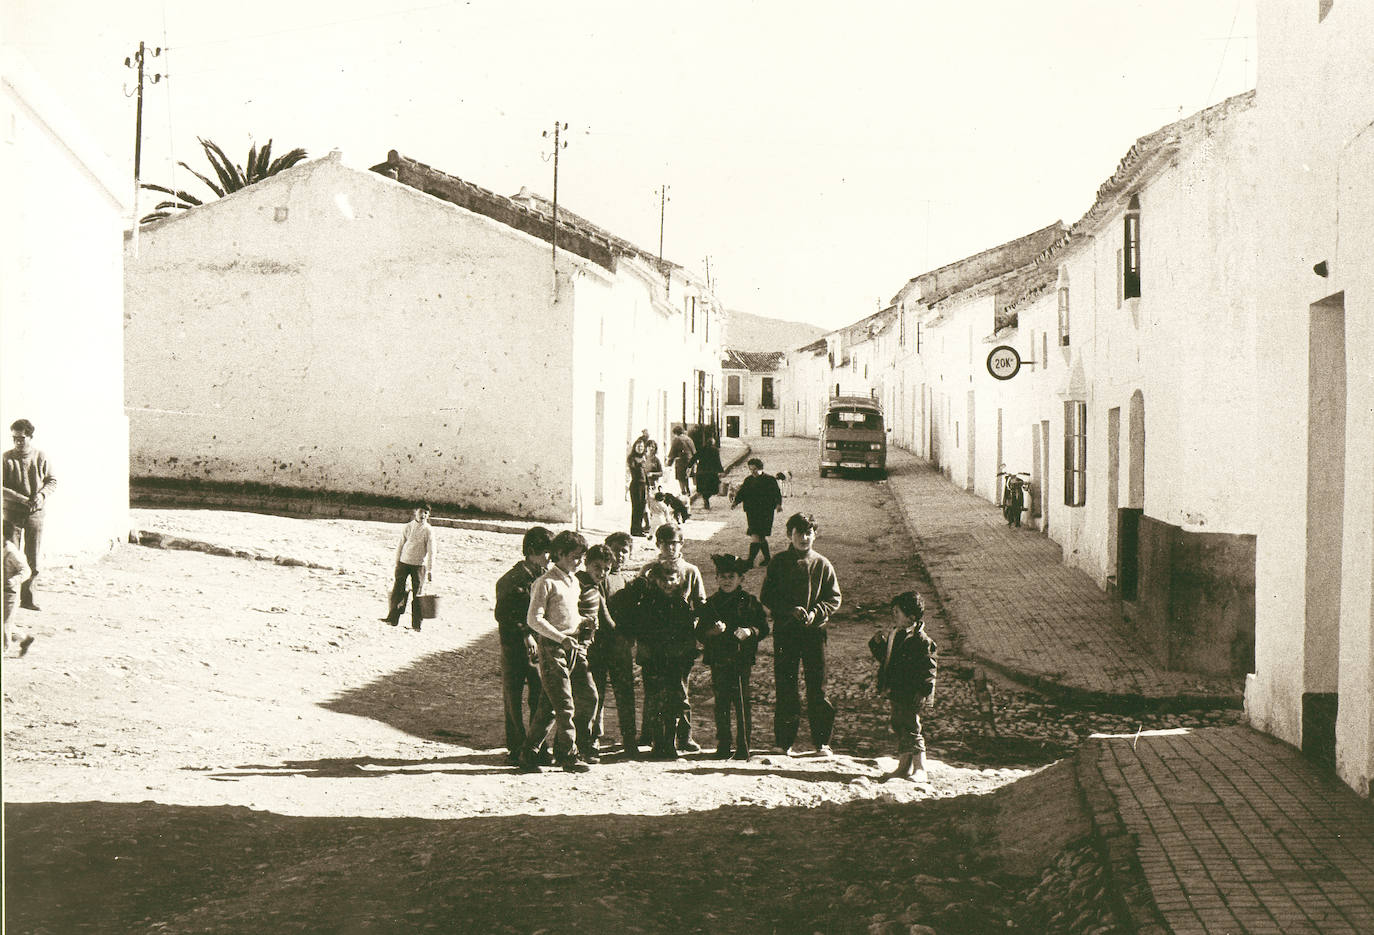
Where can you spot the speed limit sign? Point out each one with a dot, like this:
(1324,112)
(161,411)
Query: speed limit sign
(1004,362)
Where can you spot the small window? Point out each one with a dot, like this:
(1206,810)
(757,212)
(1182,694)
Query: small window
(766,400)
(1063,293)
(1075,452)
(732,426)
(766,428)
(732,390)
(1130,268)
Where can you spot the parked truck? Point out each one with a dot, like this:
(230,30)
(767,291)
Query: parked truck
(853,436)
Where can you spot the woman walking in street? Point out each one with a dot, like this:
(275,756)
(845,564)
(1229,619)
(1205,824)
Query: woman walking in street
(637,464)
(706,463)
(762,498)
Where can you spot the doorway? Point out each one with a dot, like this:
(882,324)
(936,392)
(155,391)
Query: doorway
(1326,455)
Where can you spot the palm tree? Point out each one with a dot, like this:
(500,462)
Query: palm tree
(231,177)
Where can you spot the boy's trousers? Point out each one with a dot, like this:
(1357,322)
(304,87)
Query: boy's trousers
(906,724)
(568,700)
(804,650)
(665,702)
(520,690)
(613,660)
(730,681)
(415,575)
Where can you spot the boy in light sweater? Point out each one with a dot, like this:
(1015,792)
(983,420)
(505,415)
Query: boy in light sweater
(414,564)
(554,620)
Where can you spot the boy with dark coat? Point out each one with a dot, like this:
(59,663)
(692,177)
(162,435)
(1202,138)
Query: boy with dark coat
(761,497)
(907,660)
(662,619)
(519,660)
(612,653)
(732,624)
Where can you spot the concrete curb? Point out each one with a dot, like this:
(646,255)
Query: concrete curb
(161,540)
(1118,848)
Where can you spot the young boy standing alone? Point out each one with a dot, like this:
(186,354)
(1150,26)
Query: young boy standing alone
(520,686)
(732,624)
(801,592)
(554,620)
(414,564)
(906,672)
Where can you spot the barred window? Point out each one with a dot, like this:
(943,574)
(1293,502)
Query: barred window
(1075,452)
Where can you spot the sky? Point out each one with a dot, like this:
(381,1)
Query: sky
(819,154)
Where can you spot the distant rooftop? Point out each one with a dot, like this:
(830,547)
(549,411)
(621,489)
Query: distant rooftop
(753,361)
(930,288)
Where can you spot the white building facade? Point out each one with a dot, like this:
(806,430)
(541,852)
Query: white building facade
(1313,680)
(61,313)
(405,335)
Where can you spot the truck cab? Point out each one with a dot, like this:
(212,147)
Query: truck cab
(853,436)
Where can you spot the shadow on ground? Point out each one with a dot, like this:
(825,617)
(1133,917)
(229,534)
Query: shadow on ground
(102,867)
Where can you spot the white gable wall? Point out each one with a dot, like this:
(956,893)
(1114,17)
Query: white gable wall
(61,297)
(332,331)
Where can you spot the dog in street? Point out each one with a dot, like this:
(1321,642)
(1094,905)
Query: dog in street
(670,503)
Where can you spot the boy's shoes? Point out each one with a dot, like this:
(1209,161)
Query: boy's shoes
(388,621)
(527,764)
(741,754)
(723,753)
(920,777)
(571,765)
(512,759)
(544,757)
(593,758)
(25,643)
(689,746)
(415,626)
(664,755)
(790,751)
(30,605)
(825,750)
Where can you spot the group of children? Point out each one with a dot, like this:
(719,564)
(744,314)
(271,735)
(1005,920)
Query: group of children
(572,619)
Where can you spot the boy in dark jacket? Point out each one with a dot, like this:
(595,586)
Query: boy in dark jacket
(612,654)
(906,673)
(519,668)
(591,607)
(801,593)
(732,624)
(663,622)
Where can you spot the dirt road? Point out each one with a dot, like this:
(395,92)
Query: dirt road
(201,743)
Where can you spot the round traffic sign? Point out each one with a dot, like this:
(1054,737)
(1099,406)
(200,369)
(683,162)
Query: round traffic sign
(1004,362)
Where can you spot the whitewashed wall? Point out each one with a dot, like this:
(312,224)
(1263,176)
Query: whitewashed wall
(61,303)
(331,330)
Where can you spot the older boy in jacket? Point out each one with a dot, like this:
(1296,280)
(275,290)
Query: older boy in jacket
(907,660)
(732,624)
(663,621)
(801,592)
(519,658)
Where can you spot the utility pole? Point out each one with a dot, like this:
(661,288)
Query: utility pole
(708,275)
(662,210)
(136,61)
(558,143)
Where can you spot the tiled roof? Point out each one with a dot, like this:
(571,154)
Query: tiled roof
(574,235)
(565,217)
(1141,158)
(982,267)
(753,361)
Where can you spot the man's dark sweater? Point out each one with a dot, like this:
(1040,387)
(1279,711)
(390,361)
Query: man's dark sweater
(800,580)
(513,602)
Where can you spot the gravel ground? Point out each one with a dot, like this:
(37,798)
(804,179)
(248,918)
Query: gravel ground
(185,742)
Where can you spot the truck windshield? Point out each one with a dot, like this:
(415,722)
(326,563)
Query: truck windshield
(854,419)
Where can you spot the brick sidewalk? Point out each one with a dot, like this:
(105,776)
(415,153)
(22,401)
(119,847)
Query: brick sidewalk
(1018,608)
(1233,832)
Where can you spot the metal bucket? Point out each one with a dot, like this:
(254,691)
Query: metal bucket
(429,606)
